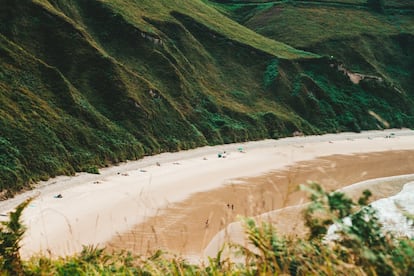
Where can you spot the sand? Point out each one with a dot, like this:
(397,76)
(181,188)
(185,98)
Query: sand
(96,209)
(288,220)
(182,227)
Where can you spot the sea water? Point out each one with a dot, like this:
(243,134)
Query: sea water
(391,211)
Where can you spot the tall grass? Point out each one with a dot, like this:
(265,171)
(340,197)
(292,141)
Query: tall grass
(362,248)
(11,233)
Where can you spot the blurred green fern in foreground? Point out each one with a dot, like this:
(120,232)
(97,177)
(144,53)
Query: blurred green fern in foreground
(361,248)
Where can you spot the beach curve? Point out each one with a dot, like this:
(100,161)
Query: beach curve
(95,208)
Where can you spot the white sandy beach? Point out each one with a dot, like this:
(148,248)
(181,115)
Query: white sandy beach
(95,208)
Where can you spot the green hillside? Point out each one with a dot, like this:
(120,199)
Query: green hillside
(84,84)
(365,40)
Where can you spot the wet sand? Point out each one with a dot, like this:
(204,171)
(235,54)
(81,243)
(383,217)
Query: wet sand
(187,227)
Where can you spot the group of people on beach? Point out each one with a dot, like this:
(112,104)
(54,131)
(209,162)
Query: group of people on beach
(229,206)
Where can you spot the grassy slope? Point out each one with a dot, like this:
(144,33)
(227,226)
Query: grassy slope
(320,23)
(86,83)
(349,33)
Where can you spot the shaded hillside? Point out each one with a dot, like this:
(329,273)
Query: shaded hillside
(89,83)
(366,41)
(375,47)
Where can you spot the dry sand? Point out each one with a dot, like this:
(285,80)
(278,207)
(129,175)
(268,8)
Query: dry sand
(96,209)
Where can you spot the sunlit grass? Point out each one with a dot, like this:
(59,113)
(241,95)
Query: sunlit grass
(205,14)
(318,23)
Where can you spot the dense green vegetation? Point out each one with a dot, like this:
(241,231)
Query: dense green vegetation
(361,248)
(84,84)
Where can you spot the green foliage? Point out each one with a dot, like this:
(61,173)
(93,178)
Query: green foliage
(11,233)
(305,25)
(272,255)
(328,208)
(271,73)
(362,248)
(92,169)
(363,240)
(11,168)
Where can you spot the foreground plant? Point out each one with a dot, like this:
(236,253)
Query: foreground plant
(11,233)
(361,248)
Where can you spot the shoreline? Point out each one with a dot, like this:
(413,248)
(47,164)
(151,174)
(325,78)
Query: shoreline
(180,228)
(62,182)
(95,208)
(382,188)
